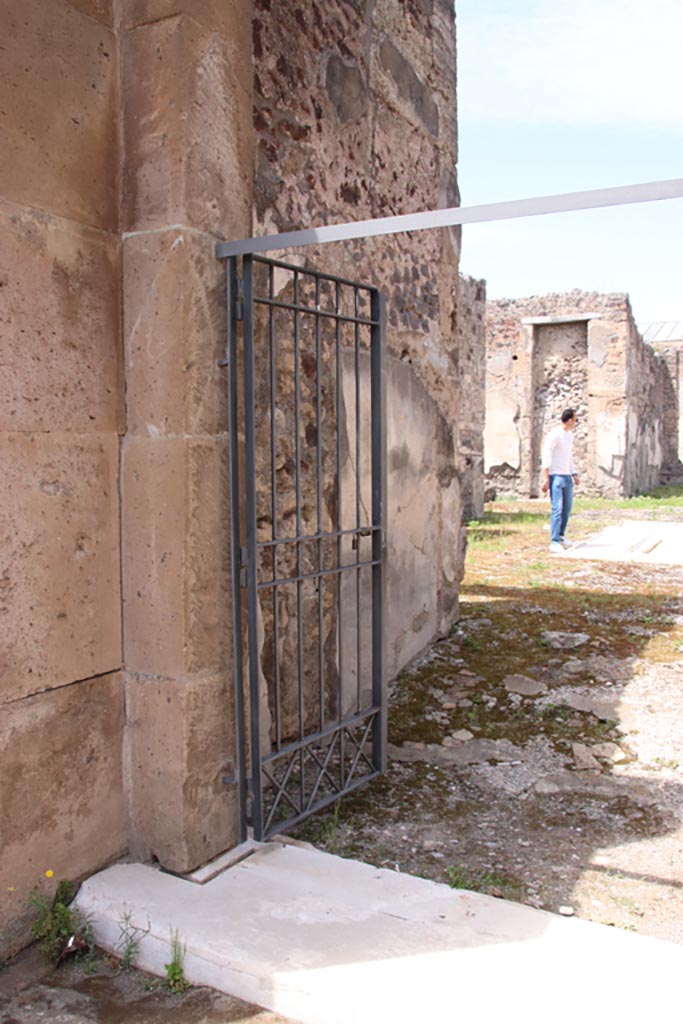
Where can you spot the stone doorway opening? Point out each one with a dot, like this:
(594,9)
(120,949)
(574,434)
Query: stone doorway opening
(559,380)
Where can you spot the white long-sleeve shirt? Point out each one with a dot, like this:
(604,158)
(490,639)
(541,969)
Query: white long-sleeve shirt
(557,455)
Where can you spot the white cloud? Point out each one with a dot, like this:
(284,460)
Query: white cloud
(588,62)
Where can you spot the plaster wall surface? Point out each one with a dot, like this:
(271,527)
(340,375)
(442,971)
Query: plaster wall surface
(580,349)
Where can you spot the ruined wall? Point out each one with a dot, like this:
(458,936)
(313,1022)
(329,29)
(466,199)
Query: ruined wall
(581,349)
(671,355)
(471,318)
(646,378)
(61,688)
(355,118)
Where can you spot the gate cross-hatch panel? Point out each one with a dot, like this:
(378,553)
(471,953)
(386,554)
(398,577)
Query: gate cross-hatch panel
(308,486)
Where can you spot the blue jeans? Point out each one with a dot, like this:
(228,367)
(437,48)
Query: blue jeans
(561,500)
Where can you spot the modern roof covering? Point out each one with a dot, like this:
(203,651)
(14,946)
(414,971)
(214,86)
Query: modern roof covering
(663,330)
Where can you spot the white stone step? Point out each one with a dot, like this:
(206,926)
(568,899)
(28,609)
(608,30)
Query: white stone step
(324,940)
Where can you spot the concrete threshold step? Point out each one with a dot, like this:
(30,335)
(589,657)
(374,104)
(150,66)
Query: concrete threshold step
(323,940)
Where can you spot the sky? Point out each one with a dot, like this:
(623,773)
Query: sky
(557,96)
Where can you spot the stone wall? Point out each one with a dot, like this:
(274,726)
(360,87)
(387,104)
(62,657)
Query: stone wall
(471,319)
(138,133)
(61,688)
(128,150)
(581,349)
(355,118)
(671,355)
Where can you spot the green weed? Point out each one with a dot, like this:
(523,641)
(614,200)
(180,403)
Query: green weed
(175,980)
(129,941)
(59,929)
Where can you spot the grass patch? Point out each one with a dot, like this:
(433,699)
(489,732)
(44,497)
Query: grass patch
(494,883)
(661,497)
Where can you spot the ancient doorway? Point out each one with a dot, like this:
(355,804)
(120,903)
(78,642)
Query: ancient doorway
(559,380)
(308,483)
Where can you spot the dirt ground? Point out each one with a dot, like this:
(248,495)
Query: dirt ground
(536,753)
(32,992)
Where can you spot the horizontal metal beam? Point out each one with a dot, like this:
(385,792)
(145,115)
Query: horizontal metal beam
(593,199)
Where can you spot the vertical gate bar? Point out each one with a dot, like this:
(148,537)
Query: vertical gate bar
(379,511)
(235,544)
(319,502)
(252,595)
(297,459)
(356,313)
(340,552)
(273,506)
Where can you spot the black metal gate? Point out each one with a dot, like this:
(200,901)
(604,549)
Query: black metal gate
(308,484)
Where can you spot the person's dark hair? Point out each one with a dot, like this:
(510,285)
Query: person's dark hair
(567,415)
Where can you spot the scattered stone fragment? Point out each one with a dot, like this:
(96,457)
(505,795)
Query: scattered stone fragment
(584,761)
(524,685)
(566,911)
(609,752)
(573,666)
(604,708)
(462,735)
(449,705)
(564,641)
(448,741)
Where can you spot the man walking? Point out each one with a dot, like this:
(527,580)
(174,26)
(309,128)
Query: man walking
(559,477)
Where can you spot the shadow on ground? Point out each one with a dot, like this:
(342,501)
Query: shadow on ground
(535,755)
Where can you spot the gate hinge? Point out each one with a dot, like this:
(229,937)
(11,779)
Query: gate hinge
(244,564)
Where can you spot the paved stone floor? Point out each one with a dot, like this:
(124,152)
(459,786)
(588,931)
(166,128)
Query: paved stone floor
(633,541)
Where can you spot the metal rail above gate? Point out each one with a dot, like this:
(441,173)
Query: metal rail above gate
(308,498)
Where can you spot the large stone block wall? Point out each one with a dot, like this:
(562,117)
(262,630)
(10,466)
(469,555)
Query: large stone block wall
(61,689)
(128,151)
(580,349)
(187,138)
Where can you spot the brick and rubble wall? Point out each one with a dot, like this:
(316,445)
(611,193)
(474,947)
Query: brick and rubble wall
(355,116)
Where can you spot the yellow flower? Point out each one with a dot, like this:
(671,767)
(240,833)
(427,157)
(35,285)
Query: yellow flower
(10,888)
(49,873)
